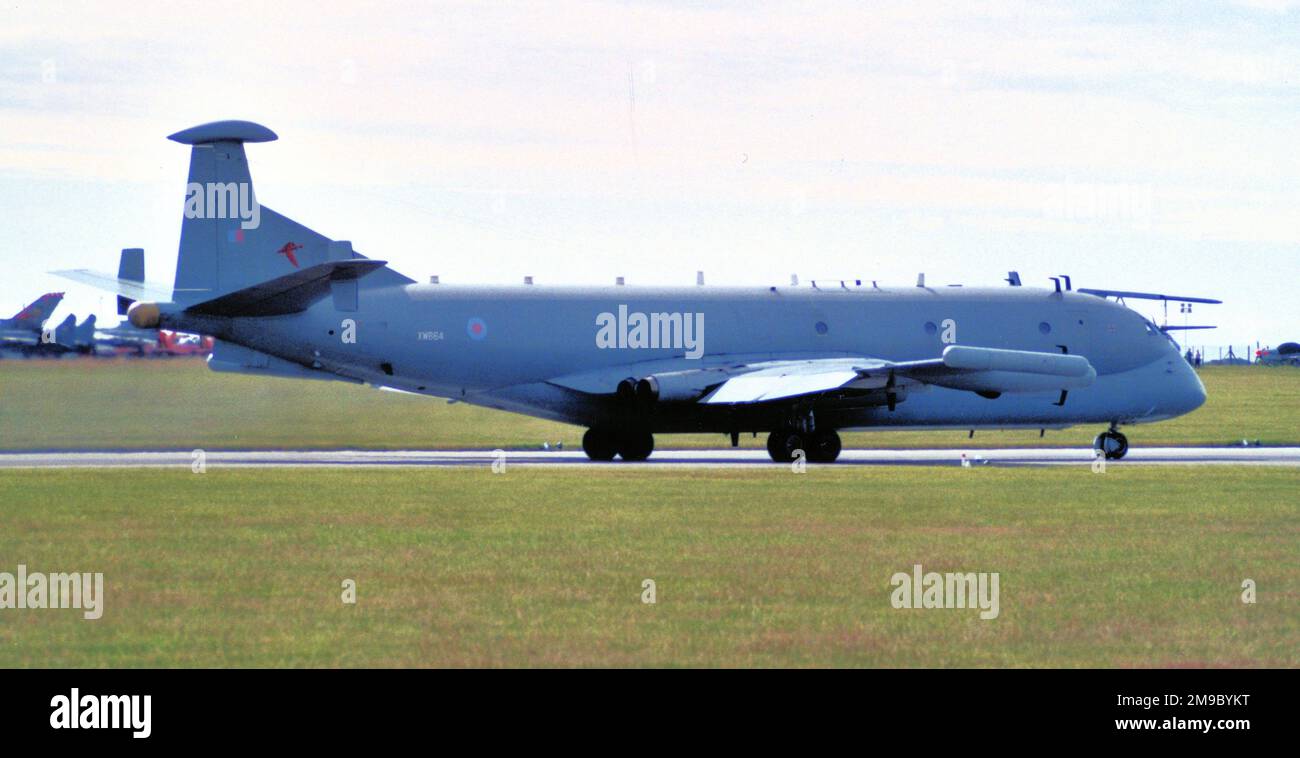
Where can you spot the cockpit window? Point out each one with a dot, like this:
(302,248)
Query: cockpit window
(1153,329)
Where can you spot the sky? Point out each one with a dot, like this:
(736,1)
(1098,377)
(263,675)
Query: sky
(1146,146)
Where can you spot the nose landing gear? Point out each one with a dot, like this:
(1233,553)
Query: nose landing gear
(1111,443)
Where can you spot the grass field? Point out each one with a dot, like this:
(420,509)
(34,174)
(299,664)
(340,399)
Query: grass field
(461,567)
(179,404)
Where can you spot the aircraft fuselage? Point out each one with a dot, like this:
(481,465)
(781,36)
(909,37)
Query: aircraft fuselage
(559,353)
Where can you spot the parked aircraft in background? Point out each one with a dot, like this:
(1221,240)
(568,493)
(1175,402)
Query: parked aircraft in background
(127,339)
(89,339)
(24,328)
(799,364)
(1285,354)
(76,337)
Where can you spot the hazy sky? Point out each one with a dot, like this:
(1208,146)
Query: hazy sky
(1151,146)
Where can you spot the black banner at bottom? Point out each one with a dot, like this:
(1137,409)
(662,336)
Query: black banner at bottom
(215,708)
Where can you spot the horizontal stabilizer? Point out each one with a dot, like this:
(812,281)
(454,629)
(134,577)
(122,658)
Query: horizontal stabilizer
(291,293)
(1149,296)
(127,288)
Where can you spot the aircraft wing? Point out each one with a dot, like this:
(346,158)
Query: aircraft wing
(977,369)
(126,338)
(22,337)
(776,380)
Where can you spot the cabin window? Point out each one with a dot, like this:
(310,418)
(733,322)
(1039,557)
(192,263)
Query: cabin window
(1045,327)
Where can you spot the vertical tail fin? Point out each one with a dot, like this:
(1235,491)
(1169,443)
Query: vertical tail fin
(64,335)
(84,334)
(130,268)
(33,316)
(229,241)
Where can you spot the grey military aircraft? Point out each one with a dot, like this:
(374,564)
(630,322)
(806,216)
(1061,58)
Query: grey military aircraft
(25,328)
(72,336)
(799,364)
(114,339)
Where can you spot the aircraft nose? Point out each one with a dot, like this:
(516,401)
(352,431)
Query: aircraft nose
(1186,392)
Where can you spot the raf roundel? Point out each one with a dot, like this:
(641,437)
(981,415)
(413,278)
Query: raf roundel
(476,328)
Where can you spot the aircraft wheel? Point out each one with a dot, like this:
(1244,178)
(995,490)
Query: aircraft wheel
(636,445)
(1113,445)
(782,443)
(825,447)
(599,444)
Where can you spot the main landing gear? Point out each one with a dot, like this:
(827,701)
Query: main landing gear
(818,447)
(1111,443)
(602,444)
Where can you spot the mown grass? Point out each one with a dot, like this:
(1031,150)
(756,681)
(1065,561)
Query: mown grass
(179,404)
(1141,566)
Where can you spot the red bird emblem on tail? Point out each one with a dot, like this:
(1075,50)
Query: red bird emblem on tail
(287,251)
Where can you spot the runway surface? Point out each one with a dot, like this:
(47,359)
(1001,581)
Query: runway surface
(662,459)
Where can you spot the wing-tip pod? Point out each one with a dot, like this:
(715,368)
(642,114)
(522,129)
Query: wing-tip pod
(223,131)
(1019,361)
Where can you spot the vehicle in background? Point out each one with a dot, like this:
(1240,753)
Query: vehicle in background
(182,344)
(1285,354)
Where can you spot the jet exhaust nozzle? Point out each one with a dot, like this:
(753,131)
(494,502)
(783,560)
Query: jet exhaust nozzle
(647,390)
(677,386)
(626,390)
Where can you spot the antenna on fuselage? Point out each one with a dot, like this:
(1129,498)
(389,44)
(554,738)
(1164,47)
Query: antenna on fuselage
(1067,282)
(794,280)
(920,279)
(1013,278)
(1056,279)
